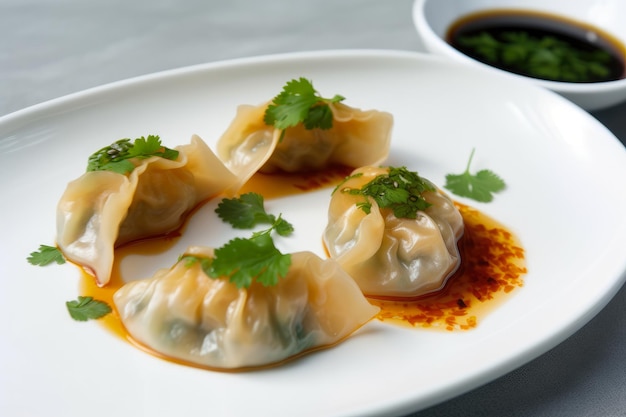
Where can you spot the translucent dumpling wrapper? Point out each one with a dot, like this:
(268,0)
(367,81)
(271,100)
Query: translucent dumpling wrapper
(103,209)
(356,138)
(389,256)
(183,314)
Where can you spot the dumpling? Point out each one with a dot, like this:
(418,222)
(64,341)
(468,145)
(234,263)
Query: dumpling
(103,209)
(356,138)
(389,255)
(183,314)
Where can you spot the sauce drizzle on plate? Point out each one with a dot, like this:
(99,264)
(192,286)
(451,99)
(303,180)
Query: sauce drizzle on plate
(492,266)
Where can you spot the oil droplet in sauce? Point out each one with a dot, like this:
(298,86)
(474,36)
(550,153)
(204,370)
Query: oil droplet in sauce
(492,266)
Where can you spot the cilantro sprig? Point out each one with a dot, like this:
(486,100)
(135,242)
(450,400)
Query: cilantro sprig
(87,308)
(297,103)
(244,260)
(479,187)
(46,255)
(248,211)
(255,258)
(400,190)
(116,157)
(543,57)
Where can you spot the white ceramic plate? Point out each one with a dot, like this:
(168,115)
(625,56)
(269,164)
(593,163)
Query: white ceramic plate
(566,200)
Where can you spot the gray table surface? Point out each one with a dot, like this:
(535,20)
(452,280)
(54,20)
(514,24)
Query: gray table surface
(50,48)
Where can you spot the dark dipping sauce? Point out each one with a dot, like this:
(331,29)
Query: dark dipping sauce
(492,266)
(539,45)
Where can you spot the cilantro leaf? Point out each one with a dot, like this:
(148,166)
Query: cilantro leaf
(297,103)
(245,260)
(479,187)
(46,255)
(400,190)
(319,116)
(116,157)
(87,308)
(366,206)
(545,57)
(145,146)
(282,226)
(248,211)
(244,212)
(122,166)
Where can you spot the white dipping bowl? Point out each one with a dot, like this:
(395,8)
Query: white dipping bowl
(432,19)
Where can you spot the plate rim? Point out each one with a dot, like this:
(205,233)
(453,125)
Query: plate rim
(408,406)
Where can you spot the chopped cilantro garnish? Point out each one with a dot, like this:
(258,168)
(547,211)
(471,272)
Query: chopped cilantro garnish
(299,102)
(247,211)
(479,187)
(545,57)
(400,190)
(87,308)
(46,255)
(116,157)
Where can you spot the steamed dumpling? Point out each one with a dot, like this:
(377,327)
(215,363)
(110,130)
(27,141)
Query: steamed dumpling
(104,209)
(183,314)
(391,256)
(356,138)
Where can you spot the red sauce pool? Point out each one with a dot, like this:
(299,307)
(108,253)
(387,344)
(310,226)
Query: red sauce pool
(492,266)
